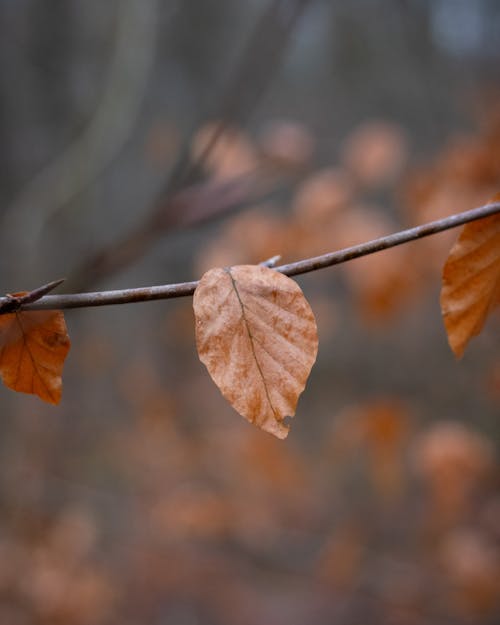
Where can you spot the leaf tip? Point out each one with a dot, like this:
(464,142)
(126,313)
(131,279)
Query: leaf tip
(277,429)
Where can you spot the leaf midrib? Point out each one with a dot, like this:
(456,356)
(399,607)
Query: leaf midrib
(250,336)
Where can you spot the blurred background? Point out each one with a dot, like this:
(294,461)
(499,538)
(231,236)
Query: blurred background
(143,142)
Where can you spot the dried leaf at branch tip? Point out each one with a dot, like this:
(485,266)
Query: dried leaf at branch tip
(257,336)
(33,347)
(471,281)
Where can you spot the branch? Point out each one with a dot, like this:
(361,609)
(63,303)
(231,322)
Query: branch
(183,289)
(12,303)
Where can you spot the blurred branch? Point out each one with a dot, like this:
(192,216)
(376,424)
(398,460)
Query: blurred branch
(251,76)
(193,205)
(248,81)
(169,291)
(107,131)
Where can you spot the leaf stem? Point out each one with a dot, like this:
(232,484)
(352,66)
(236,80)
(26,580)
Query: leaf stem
(183,289)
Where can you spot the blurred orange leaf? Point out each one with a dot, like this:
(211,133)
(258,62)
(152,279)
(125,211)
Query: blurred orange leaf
(471,281)
(33,347)
(375,152)
(257,336)
(287,143)
(231,152)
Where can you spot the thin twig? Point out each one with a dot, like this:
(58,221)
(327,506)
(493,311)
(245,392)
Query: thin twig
(391,240)
(12,302)
(271,262)
(169,291)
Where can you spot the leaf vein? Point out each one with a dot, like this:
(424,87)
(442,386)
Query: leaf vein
(251,338)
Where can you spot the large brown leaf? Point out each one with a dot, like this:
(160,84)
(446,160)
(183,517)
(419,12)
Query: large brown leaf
(33,346)
(257,336)
(471,281)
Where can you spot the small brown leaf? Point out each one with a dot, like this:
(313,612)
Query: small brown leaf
(471,281)
(33,346)
(257,336)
